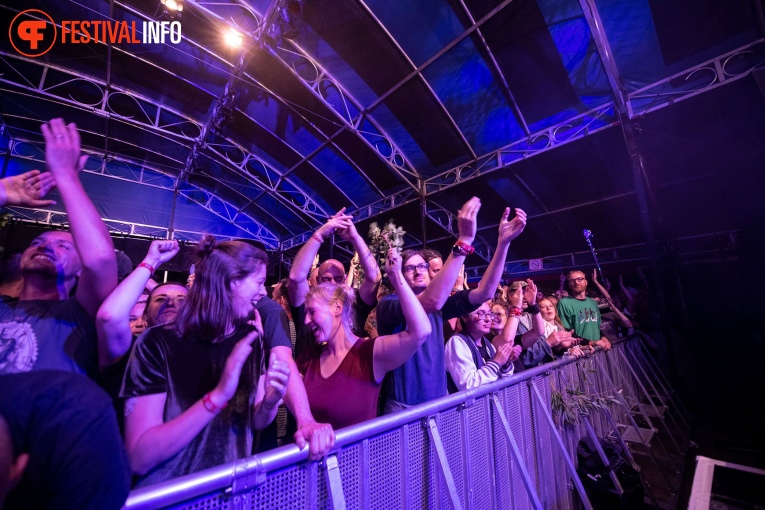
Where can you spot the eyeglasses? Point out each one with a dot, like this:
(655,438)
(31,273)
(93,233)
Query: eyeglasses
(577,280)
(485,315)
(419,267)
(498,317)
(337,279)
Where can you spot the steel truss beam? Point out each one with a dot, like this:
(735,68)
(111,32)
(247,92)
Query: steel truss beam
(703,245)
(170,124)
(322,81)
(35,151)
(116,227)
(709,75)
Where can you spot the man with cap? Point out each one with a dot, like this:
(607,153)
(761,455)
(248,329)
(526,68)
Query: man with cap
(332,270)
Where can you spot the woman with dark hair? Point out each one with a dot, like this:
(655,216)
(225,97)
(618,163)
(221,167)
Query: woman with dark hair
(198,391)
(342,372)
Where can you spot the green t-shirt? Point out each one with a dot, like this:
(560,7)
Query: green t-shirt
(581,315)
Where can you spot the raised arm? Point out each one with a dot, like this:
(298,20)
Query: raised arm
(507,336)
(352,270)
(112,319)
(297,285)
(27,189)
(437,292)
(392,351)
(91,237)
(372,276)
(537,321)
(508,230)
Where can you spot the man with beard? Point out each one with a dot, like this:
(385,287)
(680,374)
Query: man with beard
(580,313)
(46,328)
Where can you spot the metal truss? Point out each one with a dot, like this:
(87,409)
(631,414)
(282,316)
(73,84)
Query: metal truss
(709,75)
(116,227)
(448,220)
(161,120)
(567,131)
(35,151)
(319,83)
(393,201)
(697,247)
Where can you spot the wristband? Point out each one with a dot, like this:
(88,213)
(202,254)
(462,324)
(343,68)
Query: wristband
(533,309)
(208,403)
(463,249)
(317,239)
(515,311)
(147,266)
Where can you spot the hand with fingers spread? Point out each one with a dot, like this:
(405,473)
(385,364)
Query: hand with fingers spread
(27,189)
(530,292)
(509,230)
(467,220)
(62,149)
(229,380)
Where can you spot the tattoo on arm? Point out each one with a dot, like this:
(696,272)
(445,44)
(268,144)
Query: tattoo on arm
(129,406)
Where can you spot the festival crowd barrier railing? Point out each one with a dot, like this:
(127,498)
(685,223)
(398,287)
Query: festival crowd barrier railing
(502,445)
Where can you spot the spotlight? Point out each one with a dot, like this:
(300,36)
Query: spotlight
(172,8)
(233,38)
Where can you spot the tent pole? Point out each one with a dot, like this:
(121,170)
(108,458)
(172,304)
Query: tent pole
(630,129)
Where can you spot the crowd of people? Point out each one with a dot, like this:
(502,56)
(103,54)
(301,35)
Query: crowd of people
(213,369)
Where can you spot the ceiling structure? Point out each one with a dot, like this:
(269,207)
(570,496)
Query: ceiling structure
(617,116)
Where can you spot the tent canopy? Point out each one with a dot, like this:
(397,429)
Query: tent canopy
(636,120)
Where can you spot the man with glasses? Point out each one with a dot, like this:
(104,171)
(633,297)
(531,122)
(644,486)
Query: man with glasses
(580,313)
(423,377)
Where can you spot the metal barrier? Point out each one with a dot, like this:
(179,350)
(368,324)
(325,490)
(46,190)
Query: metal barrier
(497,446)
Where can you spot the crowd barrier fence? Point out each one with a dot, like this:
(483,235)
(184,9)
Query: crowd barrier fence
(498,446)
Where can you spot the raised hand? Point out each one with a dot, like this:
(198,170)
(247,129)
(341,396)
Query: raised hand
(277,376)
(62,149)
(393,268)
(509,230)
(530,292)
(229,380)
(27,189)
(160,251)
(467,220)
(516,297)
(339,222)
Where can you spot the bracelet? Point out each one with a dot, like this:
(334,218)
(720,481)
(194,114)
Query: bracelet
(317,239)
(515,311)
(147,266)
(533,309)
(463,249)
(208,403)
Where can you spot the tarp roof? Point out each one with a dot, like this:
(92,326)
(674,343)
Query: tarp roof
(403,111)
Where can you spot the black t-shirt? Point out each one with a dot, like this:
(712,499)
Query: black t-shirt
(68,427)
(185,369)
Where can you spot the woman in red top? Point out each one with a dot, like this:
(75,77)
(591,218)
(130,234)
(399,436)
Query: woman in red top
(343,373)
